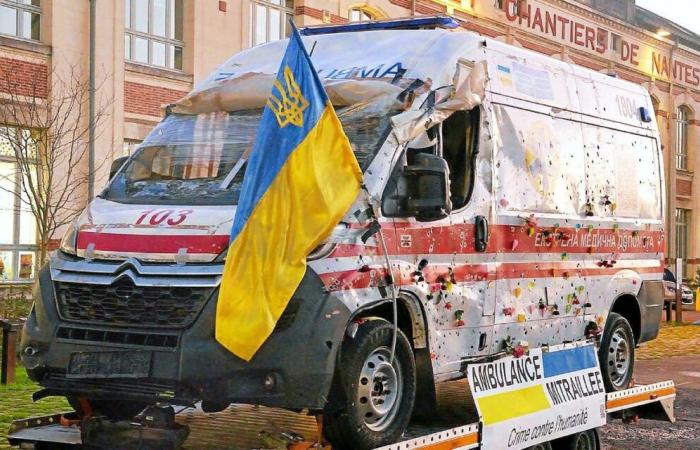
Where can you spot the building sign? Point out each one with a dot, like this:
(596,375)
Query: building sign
(557,25)
(683,72)
(538,397)
(560,25)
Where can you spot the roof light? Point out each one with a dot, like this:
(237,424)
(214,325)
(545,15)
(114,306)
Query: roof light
(645,115)
(663,33)
(411,23)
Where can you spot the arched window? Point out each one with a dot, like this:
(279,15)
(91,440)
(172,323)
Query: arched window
(682,118)
(361,15)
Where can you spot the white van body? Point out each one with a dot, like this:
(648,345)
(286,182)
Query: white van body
(560,168)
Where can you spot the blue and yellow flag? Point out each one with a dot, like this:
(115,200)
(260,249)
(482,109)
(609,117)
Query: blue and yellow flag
(302,177)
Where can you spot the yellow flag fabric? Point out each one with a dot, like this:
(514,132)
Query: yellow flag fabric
(301,179)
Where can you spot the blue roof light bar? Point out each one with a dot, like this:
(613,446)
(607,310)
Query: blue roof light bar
(411,23)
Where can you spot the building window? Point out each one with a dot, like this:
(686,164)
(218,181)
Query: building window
(18,228)
(21,18)
(129,146)
(154,32)
(360,15)
(682,118)
(269,20)
(682,226)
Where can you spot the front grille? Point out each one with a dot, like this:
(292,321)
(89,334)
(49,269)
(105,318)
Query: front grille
(124,304)
(159,340)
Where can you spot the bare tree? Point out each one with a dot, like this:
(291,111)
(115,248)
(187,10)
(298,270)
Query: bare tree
(45,126)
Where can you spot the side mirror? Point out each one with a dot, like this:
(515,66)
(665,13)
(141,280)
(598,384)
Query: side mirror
(427,187)
(116,165)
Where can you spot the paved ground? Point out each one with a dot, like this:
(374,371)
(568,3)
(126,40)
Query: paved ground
(682,435)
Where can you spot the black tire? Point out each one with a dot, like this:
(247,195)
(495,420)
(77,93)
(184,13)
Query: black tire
(616,353)
(542,446)
(361,412)
(585,440)
(112,409)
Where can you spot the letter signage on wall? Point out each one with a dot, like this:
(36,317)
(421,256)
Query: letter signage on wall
(560,25)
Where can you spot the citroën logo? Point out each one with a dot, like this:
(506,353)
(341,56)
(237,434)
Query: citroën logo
(289,105)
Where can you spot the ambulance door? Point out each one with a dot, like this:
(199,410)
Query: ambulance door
(457,266)
(445,261)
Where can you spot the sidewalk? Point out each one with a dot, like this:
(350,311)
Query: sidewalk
(674,340)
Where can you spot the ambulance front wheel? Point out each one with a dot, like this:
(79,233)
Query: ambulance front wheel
(616,353)
(371,401)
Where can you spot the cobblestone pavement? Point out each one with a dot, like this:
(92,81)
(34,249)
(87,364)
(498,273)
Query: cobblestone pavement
(647,434)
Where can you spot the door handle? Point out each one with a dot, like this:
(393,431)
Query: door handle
(481,233)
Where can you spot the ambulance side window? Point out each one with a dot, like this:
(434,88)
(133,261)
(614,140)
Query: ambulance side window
(460,136)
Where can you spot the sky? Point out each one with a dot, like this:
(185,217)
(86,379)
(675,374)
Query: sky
(683,12)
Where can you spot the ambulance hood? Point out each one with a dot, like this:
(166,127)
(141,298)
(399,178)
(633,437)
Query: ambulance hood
(114,231)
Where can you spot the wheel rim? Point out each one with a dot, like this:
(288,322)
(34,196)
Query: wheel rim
(619,357)
(379,390)
(583,442)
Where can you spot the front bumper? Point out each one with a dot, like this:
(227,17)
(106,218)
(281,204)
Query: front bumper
(293,369)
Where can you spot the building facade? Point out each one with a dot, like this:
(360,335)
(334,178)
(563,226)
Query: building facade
(149,53)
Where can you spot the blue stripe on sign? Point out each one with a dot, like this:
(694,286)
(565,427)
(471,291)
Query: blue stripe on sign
(570,360)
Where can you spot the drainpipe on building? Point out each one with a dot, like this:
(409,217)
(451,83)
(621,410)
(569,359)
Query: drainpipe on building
(671,173)
(673,134)
(413,8)
(91,104)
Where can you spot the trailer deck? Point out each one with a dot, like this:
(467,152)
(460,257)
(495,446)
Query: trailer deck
(249,427)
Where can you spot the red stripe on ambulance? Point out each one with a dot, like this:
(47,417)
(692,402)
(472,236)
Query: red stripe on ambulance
(140,243)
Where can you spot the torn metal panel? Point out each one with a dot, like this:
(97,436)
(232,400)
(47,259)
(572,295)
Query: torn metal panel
(466,92)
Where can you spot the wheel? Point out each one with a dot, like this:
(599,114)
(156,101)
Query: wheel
(542,446)
(371,401)
(112,409)
(585,440)
(616,353)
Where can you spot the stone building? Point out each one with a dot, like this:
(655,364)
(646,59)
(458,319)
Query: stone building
(149,53)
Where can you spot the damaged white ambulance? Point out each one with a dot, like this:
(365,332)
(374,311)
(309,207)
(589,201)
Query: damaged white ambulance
(519,199)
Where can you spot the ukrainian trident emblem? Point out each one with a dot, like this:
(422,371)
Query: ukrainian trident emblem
(289,104)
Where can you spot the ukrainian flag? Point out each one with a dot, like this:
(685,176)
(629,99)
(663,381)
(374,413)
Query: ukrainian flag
(302,177)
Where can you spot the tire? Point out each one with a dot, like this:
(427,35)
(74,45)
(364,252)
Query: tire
(542,446)
(616,353)
(585,440)
(371,401)
(112,409)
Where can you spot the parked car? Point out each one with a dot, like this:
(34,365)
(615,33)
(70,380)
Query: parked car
(532,215)
(687,294)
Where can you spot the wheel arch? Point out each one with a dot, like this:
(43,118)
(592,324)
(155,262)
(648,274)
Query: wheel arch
(413,322)
(627,305)
(411,318)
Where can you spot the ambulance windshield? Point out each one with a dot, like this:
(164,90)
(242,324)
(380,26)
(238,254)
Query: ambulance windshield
(201,158)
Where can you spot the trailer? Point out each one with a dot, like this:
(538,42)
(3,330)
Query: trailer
(569,423)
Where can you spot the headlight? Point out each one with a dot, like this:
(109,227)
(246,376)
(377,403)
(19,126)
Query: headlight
(70,239)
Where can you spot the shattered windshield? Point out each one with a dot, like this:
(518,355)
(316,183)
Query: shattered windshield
(202,158)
